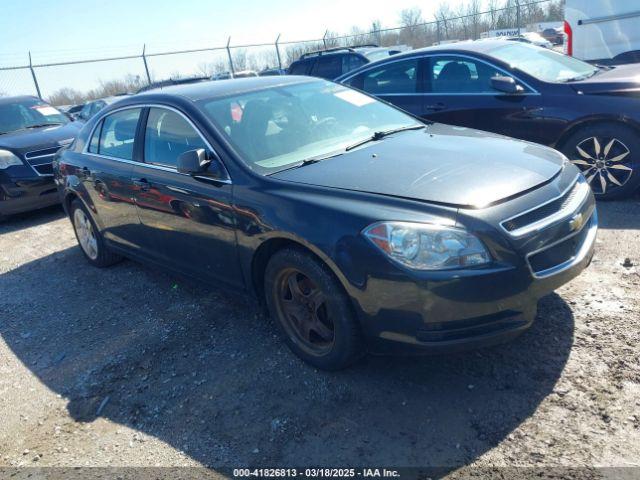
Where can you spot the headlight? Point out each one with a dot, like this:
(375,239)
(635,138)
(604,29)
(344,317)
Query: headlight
(7,159)
(427,247)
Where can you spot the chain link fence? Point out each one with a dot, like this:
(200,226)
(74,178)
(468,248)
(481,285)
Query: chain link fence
(66,79)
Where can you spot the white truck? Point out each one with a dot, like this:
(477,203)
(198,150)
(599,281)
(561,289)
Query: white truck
(603,31)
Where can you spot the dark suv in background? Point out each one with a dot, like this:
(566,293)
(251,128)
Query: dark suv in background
(31,132)
(333,62)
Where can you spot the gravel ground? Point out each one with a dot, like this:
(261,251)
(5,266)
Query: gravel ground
(129,366)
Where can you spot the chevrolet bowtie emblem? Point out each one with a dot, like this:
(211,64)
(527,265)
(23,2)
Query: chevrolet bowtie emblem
(576,222)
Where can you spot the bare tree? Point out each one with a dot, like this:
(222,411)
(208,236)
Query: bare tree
(66,96)
(375,33)
(443,14)
(473,9)
(411,22)
(239,58)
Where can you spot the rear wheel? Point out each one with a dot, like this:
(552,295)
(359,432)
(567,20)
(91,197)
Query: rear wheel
(609,157)
(312,310)
(89,237)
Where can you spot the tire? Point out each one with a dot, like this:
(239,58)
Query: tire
(97,254)
(296,283)
(608,154)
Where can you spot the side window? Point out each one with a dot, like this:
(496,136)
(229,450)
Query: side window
(167,136)
(329,66)
(351,62)
(457,75)
(118,134)
(95,139)
(300,67)
(394,77)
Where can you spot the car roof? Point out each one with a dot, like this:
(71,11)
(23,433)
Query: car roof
(482,46)
(16,99)
(222,88)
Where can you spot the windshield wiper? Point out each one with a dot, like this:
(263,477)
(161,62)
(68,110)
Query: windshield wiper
(309,161)
(583,77)
(40,125)
(380,135)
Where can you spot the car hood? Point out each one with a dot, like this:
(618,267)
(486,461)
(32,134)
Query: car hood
(24,141)
(441,164)
(620,79)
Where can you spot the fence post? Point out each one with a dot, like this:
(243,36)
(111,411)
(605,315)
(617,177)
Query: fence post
(324,39)
(230,59)
(518,15)
(278,53)
(144,60)
(35,80)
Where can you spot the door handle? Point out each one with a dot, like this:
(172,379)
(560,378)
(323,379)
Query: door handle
(436,106)
(142,183)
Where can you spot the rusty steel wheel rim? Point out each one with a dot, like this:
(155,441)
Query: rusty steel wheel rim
(304,313)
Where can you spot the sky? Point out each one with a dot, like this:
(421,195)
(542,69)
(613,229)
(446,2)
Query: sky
(60,30)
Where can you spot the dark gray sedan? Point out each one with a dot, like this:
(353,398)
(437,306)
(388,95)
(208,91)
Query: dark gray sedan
(358,227)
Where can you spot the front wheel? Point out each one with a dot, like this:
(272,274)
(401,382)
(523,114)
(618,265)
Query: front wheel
(312,310)
(90,238)
(608,156)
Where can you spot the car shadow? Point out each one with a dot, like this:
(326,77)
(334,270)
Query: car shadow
(204,372)
(20,221)
(621,214)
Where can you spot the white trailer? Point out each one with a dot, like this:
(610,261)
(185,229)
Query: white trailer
(603,31)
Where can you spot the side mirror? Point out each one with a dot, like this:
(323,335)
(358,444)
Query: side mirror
(196,162)
(506,84)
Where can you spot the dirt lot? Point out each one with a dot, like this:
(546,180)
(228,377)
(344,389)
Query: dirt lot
(130,366)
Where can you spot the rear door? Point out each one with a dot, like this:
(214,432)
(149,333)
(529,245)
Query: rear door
(400,82)
(459,92)
(106,175)
(189,223)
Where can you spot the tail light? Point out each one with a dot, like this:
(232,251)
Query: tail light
(568,44)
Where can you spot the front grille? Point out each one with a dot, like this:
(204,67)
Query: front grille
(543,212)
(560,253)
(40,160)
(46,152)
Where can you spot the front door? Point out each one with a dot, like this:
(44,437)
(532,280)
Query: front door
(459,92)
(189,222)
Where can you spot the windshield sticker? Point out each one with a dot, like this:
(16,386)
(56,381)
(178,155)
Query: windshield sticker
(46,110)
(354,98)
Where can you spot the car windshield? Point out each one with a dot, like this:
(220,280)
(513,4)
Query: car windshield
(31,113)
(542,63)
(276,128)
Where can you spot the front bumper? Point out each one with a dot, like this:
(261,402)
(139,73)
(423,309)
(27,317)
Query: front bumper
(458,310)
(19,195)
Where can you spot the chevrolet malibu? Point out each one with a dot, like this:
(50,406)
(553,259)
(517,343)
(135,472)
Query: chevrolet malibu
(31,132)
(360,228)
